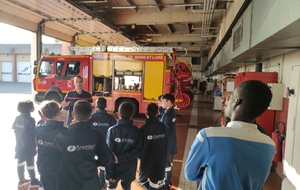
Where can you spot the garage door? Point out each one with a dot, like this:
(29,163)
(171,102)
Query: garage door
(23,69)
(6,71)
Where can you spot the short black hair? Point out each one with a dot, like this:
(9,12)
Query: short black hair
(151,110)
(159,97)
(50,108)
(125,110)
(25,106)
(82,110)
(169,97)
(101,103)
(255,96)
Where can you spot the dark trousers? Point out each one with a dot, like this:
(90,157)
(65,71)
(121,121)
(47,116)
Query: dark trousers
(124,183)
(102,178)
(150,184)
(49,180)
(29,165)
(168,171)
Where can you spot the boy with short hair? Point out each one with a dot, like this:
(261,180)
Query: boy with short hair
(169,119)
(25,149)
(161,110)
(49,157)
(101,121)
(83,149)
(154,154)
(124,141)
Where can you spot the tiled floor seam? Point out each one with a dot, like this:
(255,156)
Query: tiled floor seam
(183,183)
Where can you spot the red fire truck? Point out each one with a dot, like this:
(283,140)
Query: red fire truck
(135,75)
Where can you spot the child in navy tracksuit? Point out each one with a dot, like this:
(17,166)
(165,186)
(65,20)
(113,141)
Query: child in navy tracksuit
(83,150)
(25,149)
(154,154)
(124,141)
(161,110)
(101,121)
(169,119)
(49,157)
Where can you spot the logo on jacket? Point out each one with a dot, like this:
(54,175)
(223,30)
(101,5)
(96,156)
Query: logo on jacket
(45,143)
(101,124)
(155,137)
(72,148)
(119,140)
(18,126)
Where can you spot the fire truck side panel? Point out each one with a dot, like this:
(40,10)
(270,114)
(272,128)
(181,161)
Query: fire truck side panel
(102,68)
(153,79)
(128,65)
(138,78)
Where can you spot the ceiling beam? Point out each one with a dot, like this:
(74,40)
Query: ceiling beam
(152,29)
(174,38)
(157,17)
(17,21)
(170,28)
(188,28)
(157,2)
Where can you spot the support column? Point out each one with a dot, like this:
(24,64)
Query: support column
(73,43)
(14,65)
(33,56)
(39,42)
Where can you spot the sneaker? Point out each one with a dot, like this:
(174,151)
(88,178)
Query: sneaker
(34,183)
(23,182)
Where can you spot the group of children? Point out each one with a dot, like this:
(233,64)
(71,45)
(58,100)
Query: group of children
(69,158)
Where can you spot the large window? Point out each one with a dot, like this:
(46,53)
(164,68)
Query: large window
(73,68)
(59,68)
(46,68)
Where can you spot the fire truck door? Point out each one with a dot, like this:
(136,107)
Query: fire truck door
(45,75)
(70,69)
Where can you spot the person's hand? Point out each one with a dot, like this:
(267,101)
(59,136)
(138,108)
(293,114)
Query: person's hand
(64,104)
(116,158)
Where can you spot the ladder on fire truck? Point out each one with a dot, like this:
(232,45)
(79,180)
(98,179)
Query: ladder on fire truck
(182,98)
(102,48)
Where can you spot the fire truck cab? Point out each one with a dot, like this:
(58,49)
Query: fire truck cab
(134,77)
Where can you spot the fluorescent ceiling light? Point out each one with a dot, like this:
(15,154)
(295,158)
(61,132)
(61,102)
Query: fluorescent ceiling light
(124,7)
(153,34)
(102,1)
(187,5)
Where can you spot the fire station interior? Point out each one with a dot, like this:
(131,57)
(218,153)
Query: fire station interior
(220,43)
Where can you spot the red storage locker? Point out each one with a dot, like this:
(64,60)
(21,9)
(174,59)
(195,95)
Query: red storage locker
(266,120)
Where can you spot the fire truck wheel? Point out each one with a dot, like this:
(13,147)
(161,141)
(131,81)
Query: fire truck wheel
(184,100)
(134,105)
(190,94)
(53,96)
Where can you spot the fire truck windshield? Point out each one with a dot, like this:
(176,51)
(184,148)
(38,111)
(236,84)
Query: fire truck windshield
(46,67)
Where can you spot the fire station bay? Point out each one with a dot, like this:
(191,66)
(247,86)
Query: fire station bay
(135,51)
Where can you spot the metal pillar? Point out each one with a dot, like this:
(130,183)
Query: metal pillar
(39,42)
(73,43)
